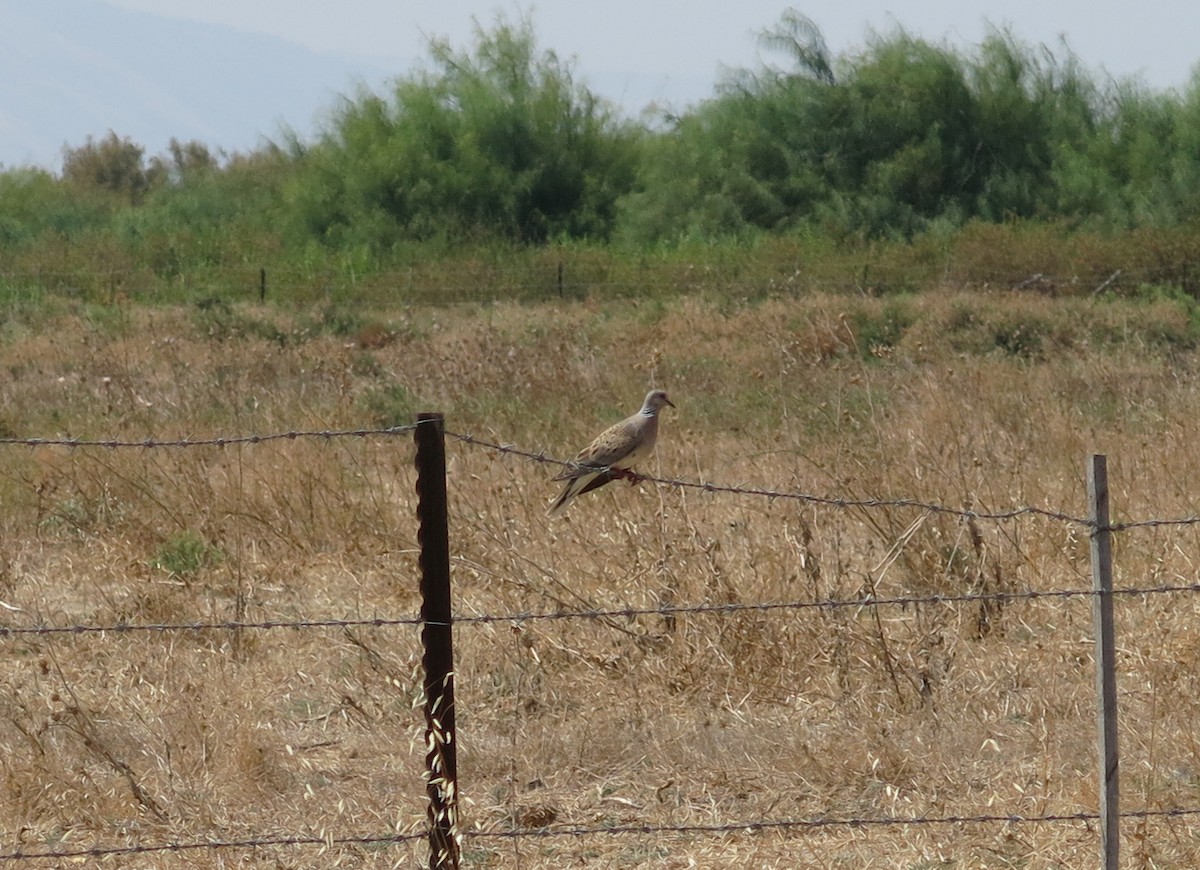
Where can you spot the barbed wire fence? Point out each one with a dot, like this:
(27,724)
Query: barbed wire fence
(443,811)
(558,279)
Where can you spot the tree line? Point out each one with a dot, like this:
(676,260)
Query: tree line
(500,142)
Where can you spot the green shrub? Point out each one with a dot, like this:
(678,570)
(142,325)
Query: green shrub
(497,142)
(186,553)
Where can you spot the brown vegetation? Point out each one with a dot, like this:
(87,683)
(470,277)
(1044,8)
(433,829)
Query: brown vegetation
(989,399)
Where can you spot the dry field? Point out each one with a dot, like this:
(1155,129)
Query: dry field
(980,400)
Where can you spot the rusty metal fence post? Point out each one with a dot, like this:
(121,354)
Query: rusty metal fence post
(433,537)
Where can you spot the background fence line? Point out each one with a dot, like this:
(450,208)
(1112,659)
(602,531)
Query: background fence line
(553,279)
(328,839)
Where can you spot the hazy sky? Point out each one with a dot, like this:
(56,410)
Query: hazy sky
(685,43)
(79,82)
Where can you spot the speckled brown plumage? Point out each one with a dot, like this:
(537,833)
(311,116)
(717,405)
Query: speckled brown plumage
(619,447)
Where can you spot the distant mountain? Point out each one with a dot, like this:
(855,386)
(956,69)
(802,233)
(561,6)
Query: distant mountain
(74,68)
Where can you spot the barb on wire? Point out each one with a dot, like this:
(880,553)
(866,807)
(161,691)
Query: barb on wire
(223,441)
(615,613)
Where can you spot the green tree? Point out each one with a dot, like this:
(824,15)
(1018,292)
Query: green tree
(112,164)
(1015,113)
(184,161)
(799,38)
(744,161)
(202,214)
(899,137)
(1185,157)
(499,141)
(880,143)
(34,205)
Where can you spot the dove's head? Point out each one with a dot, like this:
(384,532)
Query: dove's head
(655,400)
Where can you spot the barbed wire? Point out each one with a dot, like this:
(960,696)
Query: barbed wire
(778,494)
(755,826)
(211,845)
(219,441)
(825,604)
(594,614)
(571,281)
(229,625)
(836,501)
(541,457)
(1153,524)
(802,824)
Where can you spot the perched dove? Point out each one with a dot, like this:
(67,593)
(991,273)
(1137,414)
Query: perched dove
(615,450)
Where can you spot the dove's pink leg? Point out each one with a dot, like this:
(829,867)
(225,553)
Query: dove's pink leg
(626,474)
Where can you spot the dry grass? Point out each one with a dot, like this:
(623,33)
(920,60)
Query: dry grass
(984,400)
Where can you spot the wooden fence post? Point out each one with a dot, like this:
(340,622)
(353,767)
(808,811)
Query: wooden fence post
(433,537)
(1106,674)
